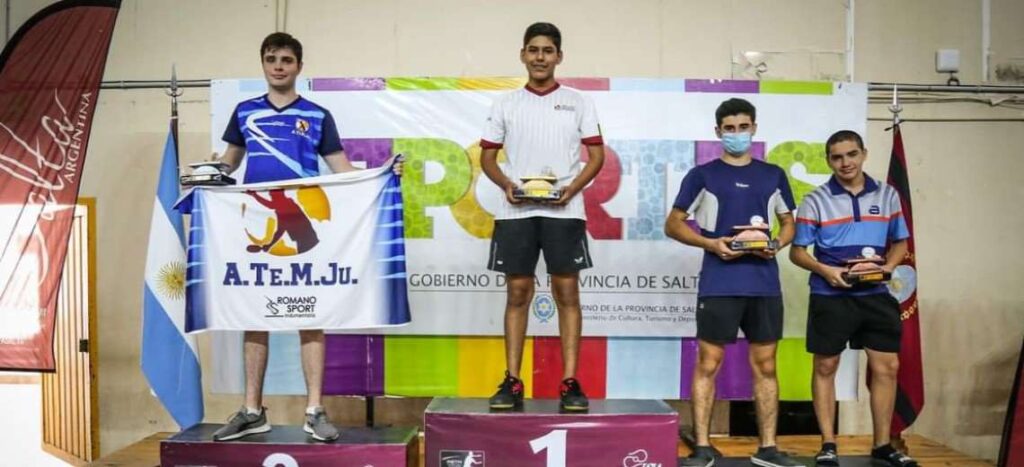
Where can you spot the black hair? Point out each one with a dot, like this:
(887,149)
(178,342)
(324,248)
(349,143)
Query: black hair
(843,135)
(281,40)
(735,106)
(544,29)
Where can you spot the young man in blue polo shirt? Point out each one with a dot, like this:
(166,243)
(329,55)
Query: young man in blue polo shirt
(737,290)
(849,217)
(282,136)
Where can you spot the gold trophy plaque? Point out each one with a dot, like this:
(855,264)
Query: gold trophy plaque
(866,269)
(538,187)
(753,237)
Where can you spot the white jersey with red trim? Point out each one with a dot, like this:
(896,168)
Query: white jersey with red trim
(542,131)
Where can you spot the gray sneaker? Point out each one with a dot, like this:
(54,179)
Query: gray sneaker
(243,423)
(772,457)
(318,426)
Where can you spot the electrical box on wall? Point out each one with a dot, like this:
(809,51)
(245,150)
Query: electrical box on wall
(947,60)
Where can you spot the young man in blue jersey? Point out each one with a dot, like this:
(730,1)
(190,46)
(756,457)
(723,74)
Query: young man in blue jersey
(849,217)
(737,290)
(282,136)
(541,126)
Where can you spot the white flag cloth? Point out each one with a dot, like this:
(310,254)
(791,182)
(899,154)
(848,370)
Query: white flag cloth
(315,253)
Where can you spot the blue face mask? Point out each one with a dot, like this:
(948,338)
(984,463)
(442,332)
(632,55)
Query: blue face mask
(736,144)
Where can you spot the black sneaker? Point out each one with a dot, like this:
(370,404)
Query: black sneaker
(828,456)
(888,456)
(572,396)
(772,457)
(243,423)
(509,395)
(702,456)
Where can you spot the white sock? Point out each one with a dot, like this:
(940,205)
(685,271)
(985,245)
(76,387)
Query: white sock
(252,411)
(312,409)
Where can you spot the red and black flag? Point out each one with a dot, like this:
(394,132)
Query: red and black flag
(50,75)
(910,380)
(1012,450)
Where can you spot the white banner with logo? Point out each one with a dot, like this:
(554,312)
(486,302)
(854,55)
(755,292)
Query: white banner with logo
(316,253)
(642,283)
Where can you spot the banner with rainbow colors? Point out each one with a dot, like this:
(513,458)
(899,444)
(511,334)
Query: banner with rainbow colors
(639,298)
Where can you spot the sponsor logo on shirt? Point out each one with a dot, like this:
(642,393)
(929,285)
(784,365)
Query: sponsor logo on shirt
(742,185)
(565,107)
(874,210)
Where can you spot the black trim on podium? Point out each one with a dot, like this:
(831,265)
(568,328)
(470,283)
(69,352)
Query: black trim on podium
(795,418)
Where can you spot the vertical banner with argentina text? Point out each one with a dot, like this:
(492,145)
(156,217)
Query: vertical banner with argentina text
(50,73)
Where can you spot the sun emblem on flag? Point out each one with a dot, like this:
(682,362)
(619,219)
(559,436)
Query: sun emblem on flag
(170,280)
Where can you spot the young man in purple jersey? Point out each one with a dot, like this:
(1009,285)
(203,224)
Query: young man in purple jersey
(852,216)
(737,289)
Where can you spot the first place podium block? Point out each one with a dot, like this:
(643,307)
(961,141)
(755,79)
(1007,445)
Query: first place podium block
(289,446)
(630,433)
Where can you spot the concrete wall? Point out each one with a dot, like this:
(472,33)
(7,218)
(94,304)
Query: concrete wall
(965,174)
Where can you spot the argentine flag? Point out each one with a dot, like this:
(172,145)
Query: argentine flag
(169,357)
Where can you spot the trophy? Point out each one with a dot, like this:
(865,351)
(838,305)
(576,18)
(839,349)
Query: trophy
(207,174)
(753,237)
(866,269)
(538,187)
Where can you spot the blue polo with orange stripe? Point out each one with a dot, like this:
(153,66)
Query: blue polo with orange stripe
(841,225)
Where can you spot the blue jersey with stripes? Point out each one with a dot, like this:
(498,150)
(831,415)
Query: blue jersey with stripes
(282,143)
(841,225)
(719,196)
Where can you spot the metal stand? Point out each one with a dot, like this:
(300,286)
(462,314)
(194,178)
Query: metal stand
(369,411)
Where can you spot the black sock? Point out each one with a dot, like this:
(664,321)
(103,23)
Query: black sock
(883,451)
(829,447)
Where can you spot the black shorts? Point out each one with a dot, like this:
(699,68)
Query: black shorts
(719,319)
(517,243)
(865,321)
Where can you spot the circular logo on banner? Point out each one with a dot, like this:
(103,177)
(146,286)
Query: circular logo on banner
(756,220)
(288,230)
(543,307)
(868,252)
(903,283)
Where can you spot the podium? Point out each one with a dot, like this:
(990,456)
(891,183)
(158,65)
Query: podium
(632,433)
(289,446)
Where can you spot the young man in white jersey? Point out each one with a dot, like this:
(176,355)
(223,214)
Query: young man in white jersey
(541,127)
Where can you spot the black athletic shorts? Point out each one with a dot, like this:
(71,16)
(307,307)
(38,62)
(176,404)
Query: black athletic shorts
(865,321)
(720,318)
(517,243)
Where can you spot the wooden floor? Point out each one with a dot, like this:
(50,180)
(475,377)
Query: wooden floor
(146,453)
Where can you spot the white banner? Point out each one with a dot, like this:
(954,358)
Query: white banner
(642,283)
(316,253)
